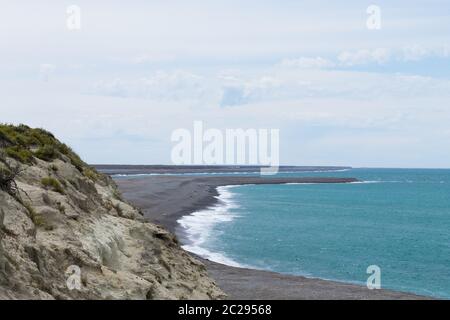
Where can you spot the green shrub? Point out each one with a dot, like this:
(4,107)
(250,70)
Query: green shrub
(53,184)
(47,153)
(73,157)
(90,174)
(6,134)
(17,135)
(64,149)
(76,161)
(4,139)
(20,139)
(20,154)
(42,136)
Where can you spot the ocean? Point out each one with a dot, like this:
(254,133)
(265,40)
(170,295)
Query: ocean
(396,219)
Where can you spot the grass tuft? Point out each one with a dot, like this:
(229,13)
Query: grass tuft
(47,153)
(90,174)
(20,154)
(53,184)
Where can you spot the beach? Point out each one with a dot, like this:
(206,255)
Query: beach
(164,199)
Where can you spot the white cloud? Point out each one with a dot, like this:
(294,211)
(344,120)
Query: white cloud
(376,56)
(161,85)
(364,56)
(307,63)
(415,53)
(418,52)
(271,85)
(145,58)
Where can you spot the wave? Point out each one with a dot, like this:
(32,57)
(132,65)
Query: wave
(199,227)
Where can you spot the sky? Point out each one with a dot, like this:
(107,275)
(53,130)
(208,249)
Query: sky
(339,91)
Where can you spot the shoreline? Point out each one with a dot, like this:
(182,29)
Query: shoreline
(193,226)
(166,199)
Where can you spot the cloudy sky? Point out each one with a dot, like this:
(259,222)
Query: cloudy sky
(340,92)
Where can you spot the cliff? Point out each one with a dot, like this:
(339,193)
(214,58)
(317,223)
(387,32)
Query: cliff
(66,232)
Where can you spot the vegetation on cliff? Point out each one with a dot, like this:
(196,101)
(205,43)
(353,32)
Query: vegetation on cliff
(58,214)
(25,144)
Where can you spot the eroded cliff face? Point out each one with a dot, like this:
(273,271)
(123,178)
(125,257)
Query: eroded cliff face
(61,221)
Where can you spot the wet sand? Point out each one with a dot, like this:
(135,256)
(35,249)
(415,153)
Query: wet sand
(164,199)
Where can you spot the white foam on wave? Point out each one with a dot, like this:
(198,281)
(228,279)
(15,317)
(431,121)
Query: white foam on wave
(199,226)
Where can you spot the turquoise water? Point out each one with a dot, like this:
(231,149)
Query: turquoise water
(397,219)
